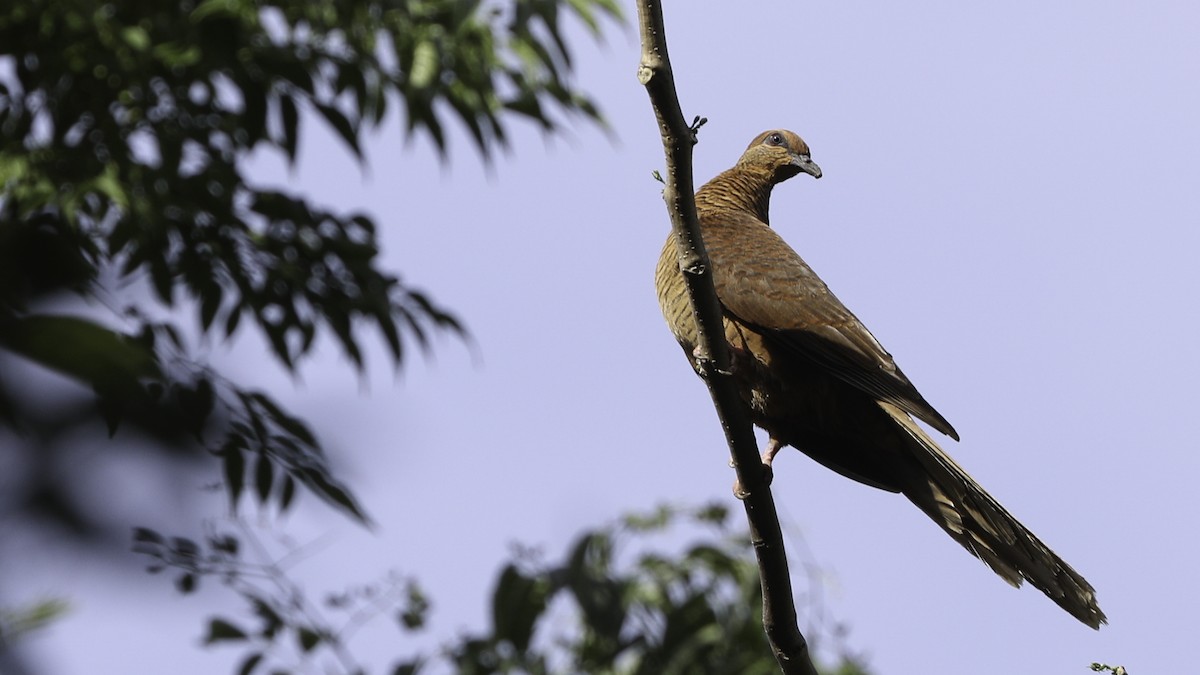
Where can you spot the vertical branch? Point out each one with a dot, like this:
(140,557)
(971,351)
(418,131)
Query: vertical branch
(779,610)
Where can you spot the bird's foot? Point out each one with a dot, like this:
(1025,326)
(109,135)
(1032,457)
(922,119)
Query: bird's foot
(773,448)
(741,492)
(705,364)
(774,445)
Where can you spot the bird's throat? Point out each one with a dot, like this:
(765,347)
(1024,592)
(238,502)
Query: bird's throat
(738,188)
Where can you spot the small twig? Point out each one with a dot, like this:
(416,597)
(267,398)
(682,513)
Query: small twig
(289,590)
(779,609)
(373,608)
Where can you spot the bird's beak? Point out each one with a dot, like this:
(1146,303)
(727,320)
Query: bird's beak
(805,164)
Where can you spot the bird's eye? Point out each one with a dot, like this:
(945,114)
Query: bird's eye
(775,139)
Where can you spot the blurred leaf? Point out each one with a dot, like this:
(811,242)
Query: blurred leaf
(16,623)
(225,544)
(424,65)
(293,425)
(80,349)
(220,630)
(342,125)
(196,404)
(408,668)
(185,549)
(290,123)
(324,486)
(233,463)
(262,477)
(210,302)
(112,363)
(517,603)
(672,613)
(231,322)
(308,638)
(287,494)
(250,663)
(254,114)
(186,583)
(272,622)
(146,535)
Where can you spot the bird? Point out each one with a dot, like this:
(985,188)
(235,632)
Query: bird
(814,378)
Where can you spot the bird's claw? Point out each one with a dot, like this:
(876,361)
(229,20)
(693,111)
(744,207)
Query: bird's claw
(768,476)
(705,365)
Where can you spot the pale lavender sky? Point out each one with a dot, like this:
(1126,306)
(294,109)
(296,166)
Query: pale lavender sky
(1011,203)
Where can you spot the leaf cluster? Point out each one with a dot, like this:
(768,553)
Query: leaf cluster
(286,632)
(617,604)
(124,131)
(636,608)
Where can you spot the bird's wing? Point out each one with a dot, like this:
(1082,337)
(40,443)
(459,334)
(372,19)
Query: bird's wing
(764,283)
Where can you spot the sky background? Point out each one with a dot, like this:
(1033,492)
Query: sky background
(1011,203)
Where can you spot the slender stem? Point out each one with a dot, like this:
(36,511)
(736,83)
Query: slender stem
(779,609)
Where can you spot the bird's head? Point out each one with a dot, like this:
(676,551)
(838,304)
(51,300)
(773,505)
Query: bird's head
(780,152)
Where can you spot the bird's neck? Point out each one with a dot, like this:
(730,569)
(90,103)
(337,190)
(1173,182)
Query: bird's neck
(743,188)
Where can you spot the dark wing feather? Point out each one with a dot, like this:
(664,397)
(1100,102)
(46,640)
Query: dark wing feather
(781,296)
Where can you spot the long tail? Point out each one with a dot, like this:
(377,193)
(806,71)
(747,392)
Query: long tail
(977,521)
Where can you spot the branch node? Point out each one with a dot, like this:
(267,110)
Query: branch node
(645,73)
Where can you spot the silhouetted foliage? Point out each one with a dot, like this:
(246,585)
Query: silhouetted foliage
(126,216)
(123,130)
(621,601)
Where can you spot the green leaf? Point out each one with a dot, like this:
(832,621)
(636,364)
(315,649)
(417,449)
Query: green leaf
(196,404)
(186,583)
(415,609)
(112,363)
(19,621)
(716,514)
(287,494)
(227,544)
(220,630)
(262,477)
(341,125)
(234,465)
(250,663)
(231,321)
(80,349)
(161,277)
(148,536)
(517,603)
(308,638)
(424,65)
(216,8)
(136,37)
(185,549)
(210,302)
(290,122)
(324,486)
(254,115)
(270,619)
(293,425)
(408,668)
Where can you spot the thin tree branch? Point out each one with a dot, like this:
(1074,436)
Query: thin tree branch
(779,609)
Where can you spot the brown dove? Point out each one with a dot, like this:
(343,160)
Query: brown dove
(813,376)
